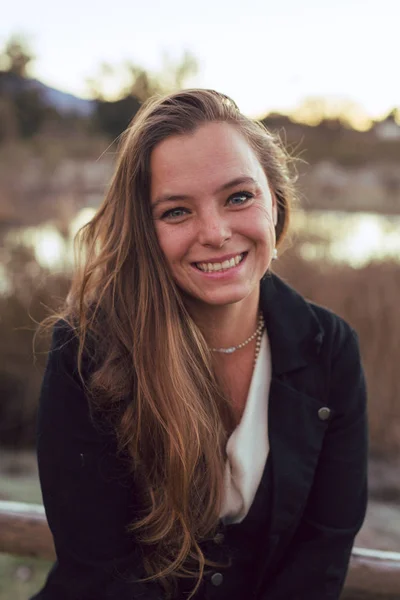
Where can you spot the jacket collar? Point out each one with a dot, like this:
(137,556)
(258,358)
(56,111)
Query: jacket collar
(294,331)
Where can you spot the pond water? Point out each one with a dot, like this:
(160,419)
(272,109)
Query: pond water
(352,238)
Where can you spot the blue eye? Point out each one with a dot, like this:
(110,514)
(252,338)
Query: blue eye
(242,198)
(174,213)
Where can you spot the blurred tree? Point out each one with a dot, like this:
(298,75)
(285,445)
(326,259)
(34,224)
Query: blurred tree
(31,111)
(97,84)
(112,118)
(346,113)
(16,56)
(9,127)
(172,77)
(23,111)
(135,84)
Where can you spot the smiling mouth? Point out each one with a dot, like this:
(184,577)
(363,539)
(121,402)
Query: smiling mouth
(224,266)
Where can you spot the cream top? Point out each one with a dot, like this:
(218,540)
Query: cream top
(248,446)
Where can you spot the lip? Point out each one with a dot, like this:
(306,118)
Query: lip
(223,274)
(220,259)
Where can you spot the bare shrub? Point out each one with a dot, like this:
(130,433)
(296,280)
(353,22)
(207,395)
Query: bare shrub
(34,292)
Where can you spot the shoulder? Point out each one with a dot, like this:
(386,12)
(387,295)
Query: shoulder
(62,372)
(64,338)
(63,355)
(336,332)
(67,417)
(63,352)
(64,392)
(297,324)
(336,369)
(341,362)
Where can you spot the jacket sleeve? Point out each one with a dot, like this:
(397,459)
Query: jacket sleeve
(88,496)
(316,562)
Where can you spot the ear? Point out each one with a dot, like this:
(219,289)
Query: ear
(274,209)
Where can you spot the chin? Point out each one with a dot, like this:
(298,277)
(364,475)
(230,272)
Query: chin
(220,298)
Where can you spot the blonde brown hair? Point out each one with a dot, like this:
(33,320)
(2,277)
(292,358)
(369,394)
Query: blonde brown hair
(153,372)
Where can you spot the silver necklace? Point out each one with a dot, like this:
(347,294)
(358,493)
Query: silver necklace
(258,333)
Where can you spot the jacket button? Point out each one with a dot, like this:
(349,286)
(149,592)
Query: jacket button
(324,413)
(217,578)
(219,538)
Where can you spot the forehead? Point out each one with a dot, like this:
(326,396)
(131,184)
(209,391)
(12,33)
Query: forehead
(211,155)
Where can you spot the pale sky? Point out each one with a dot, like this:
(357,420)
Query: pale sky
(265,54)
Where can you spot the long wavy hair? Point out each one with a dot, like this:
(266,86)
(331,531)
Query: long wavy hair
(153,372)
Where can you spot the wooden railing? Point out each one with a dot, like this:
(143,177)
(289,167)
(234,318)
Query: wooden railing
(24,530)
(373,574)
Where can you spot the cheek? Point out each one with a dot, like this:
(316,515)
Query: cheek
(262,226)
(163,240)
(172,243)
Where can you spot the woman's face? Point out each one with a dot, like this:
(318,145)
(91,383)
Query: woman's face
(214,213)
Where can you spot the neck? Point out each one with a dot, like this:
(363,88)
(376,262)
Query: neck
(228,325)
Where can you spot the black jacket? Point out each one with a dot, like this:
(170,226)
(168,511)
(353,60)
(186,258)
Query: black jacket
(318,459)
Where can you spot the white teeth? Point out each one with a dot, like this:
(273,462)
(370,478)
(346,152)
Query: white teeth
(227,264)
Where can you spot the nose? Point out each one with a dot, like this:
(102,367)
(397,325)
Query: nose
(214,229)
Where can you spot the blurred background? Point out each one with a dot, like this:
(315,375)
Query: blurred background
(324,77)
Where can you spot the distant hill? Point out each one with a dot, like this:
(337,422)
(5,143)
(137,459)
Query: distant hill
(63,102)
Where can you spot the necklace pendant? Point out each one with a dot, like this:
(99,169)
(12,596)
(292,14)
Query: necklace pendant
(258,332)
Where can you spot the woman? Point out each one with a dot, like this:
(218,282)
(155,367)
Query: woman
(202,427)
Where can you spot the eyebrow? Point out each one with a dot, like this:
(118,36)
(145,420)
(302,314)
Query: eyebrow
(230,184)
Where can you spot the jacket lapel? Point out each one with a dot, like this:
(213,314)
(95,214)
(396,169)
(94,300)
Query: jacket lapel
(295,435)
(295,430)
